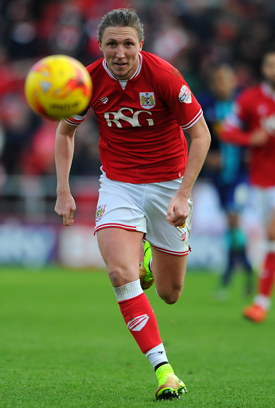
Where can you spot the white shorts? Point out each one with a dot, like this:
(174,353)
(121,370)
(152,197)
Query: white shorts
(143,207)
(265,202)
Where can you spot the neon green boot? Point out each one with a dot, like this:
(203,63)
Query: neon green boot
(170,386)
(145,273)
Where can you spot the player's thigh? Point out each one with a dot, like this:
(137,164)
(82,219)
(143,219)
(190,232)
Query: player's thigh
(169,273)
(265,201)
(120,250)
(271,227)
(120,206)
(271,220)
(163,236)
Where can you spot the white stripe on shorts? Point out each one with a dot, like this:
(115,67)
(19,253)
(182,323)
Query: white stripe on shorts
(171,252)
(114,225)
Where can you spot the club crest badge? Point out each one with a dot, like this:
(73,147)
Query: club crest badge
(185,94)
(99,212)
(147,100)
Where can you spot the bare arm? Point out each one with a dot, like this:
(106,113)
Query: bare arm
(64,149)
(234,135)
(234,131)
(178,209)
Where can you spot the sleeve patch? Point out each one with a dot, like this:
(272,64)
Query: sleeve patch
(185,94)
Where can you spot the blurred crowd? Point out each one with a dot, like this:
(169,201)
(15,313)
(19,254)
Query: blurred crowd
(191,34)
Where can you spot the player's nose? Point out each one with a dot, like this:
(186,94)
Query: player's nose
(120,51)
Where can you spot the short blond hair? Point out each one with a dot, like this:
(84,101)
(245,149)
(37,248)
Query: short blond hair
(123,17)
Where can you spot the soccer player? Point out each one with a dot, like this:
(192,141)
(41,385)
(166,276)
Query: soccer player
(226,167)
(252,123)
(142,105)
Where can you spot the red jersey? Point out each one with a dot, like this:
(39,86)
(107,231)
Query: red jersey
(254,109)
(140,126)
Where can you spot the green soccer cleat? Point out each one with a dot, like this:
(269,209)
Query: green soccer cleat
(145,273)
(170,386)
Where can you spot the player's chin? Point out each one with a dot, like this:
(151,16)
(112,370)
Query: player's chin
(121,70)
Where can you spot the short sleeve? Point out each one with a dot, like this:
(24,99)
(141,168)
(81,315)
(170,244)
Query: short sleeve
(76,119)
(179,97)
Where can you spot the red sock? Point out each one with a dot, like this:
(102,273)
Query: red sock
(141,321)
(266,280)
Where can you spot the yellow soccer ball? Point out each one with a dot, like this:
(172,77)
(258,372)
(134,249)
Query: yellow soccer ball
(58,87)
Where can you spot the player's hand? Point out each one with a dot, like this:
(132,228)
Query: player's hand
(259,137)
(65,207)
(178,211)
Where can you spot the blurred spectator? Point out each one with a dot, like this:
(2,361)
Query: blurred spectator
(12,78)
(225,166)
(19,126)
(86,154)
(69,33)
(21,30)
(38,159)
(171,40)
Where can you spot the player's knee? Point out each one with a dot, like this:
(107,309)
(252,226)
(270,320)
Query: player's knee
(170,296)
(117,276)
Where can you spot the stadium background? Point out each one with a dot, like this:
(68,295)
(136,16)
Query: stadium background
(189,34)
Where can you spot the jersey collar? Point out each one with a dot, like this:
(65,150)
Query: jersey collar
(267,90)
(140,58)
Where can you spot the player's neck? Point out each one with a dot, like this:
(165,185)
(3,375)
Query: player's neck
(271,86)
(135,69)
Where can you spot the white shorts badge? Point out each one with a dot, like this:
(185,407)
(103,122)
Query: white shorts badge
(147,99)
(185,94)
(99,212)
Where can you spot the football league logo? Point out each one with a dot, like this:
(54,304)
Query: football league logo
(147,100)
(185,94)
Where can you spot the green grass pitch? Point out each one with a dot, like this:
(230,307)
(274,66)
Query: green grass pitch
(64,344)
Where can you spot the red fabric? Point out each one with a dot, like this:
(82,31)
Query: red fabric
(140,127)
(39,159)
(267,278)
(237,136)
(254,109)
(141,321)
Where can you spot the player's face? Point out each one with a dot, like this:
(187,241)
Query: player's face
(120,47)
(268,69)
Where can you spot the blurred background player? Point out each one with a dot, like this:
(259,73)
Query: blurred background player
(252,123)
(226,167)
(142,104)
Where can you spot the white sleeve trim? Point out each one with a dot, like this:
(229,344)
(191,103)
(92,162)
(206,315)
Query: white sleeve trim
(193,121)
(75,120)
(70,122)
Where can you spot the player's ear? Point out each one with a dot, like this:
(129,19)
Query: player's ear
(141,45)
(99,44)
